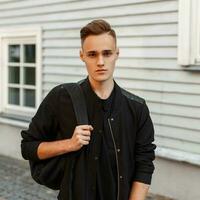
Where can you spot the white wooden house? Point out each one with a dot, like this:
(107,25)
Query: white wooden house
(159,43)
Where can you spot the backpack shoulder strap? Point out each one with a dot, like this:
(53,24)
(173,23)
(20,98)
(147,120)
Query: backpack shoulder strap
(78,101)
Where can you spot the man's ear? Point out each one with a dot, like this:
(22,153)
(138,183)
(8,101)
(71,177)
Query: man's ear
(117,52)
(81,55)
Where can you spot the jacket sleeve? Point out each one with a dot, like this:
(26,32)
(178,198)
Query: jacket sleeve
(144,148)
(42,127)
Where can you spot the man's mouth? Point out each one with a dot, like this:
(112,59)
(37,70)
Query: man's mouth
(101,70)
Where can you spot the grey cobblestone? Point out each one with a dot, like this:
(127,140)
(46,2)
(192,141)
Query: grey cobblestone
(17,184)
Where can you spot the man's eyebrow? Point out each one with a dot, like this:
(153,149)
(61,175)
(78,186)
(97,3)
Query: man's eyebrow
(106,50)
(91,51)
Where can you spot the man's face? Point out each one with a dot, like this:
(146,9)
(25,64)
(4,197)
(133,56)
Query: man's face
(99,53)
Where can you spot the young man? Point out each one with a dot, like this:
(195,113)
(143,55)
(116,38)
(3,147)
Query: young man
(116,146)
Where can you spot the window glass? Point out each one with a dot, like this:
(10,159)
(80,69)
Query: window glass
(13,96)
(14,53)
(29,75)
(29,53)
(13,75)
(29,97)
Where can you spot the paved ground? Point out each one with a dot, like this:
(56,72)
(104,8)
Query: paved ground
(16,183)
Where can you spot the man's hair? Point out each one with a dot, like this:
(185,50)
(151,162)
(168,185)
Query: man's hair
(96,27)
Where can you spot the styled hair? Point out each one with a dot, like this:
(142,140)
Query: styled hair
(96,27)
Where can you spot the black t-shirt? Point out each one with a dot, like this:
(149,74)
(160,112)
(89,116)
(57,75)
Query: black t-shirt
(106,169)
(101,161)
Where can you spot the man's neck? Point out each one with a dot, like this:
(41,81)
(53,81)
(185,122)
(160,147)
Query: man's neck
(102,89)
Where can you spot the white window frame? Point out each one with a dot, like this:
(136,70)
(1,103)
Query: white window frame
(20,34)
(189,33)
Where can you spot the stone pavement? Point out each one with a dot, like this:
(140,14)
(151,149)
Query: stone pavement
(17,184)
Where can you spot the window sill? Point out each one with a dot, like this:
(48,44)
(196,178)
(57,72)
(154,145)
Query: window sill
(177,155)
(192,68)
(13,120)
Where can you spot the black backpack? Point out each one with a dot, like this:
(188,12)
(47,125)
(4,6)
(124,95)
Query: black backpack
(50,172)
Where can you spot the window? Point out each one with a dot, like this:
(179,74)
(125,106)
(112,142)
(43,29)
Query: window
(21,73)
(189,33)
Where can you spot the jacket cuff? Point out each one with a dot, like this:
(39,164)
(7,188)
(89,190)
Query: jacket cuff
(30,155)
(143,177)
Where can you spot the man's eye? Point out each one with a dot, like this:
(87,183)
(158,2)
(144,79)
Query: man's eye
(107,54)
(91,55)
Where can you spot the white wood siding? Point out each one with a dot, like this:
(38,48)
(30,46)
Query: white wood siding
(147,37)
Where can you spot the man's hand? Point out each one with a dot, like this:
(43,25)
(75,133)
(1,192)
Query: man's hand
(81,136)
(138,191)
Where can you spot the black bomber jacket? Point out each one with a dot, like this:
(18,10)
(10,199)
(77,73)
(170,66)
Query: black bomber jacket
(130,124)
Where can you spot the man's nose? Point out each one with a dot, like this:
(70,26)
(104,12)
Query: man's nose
(100,61)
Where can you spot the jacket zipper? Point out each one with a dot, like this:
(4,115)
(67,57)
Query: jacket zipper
(117,163)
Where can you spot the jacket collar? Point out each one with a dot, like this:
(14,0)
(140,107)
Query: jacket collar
(94,100)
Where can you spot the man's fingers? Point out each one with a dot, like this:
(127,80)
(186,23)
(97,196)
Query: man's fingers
(82,134)
(86,133)
(85,127)
(85,142)
(84,138)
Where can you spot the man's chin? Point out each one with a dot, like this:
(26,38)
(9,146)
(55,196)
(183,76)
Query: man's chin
(100,79)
